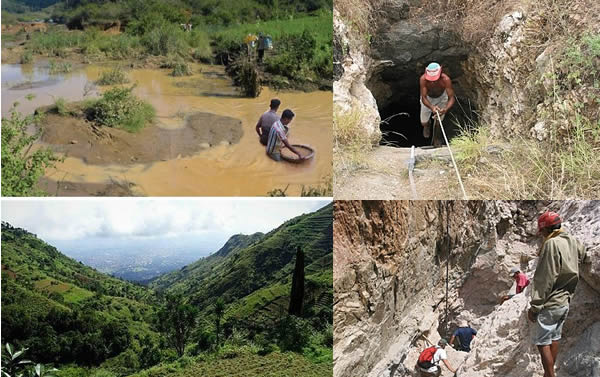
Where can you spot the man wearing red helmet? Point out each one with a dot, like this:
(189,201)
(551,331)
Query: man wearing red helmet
(554,283)
(437,94)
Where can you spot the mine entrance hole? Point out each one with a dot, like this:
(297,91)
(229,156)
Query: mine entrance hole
(401,124)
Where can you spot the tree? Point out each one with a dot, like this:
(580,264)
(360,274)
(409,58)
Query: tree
(297,294)
(22,168)
(176,321)
(219,309)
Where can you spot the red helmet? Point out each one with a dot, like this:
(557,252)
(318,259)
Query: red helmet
(548,219)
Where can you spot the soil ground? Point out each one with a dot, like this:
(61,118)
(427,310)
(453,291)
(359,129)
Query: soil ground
(386,176)
(74,136)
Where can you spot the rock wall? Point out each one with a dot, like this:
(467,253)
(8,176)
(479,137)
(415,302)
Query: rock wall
(504,70)
(352,65)
(389,285)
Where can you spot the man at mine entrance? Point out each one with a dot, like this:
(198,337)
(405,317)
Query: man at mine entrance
(437,94)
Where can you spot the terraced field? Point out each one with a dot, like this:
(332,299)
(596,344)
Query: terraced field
(272,365)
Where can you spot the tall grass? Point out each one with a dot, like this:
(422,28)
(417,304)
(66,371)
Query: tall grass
(350,146)
(113,77)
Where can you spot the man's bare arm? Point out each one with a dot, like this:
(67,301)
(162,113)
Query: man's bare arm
(287,144)
(450,93)
(424,94)
(449,366)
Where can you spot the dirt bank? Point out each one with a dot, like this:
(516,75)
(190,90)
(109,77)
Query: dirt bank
(74,136)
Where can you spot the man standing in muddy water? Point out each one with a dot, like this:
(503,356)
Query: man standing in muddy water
(278,137)
(554,283)
(266,120)
(437,94)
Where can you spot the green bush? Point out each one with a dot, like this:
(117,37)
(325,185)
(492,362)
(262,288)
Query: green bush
(181,69)
(61,106)
(246,75)
(164,40)
(21,169)
(119,108)
(60,67)
(27,58)
(112,77)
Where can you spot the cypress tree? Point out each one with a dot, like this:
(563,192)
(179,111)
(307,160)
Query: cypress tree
(297,294)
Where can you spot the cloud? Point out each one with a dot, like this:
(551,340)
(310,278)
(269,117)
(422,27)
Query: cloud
(72,219)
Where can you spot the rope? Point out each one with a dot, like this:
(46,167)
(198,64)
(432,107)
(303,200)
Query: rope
(411,166)
(447,263)
(452,156)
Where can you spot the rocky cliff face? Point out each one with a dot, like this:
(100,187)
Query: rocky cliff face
(501,68)
(390,277)
(352,65)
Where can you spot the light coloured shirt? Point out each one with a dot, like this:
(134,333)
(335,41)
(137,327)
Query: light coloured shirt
(277,135)
(440,354)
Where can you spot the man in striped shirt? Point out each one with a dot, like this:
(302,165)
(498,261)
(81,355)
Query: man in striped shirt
(278,136)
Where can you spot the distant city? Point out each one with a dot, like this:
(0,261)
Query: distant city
(139,260)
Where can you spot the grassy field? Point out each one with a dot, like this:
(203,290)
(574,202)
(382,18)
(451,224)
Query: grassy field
(246,364)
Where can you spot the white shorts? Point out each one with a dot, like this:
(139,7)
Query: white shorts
(440,101)
(548,326)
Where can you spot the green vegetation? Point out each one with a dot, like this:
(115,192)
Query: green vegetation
(26,58)
(176,321)
(297,295)
(21,168)
(60,67)
(61,106)
(119,108)
(301,34)
(14,365)
(113,77)
(350,147)
(181,69)
(565,162)
(223,315)
(245,74)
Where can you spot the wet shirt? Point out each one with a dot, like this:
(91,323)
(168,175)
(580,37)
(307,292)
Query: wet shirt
(522,282)
(557,273)
(277,135)
(465,335)
(265,122)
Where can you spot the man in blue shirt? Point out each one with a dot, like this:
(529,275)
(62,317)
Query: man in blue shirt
(464,334)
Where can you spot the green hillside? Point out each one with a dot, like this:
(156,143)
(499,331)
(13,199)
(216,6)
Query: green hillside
(90,324)
(257,277)
(64,310)
(202,268)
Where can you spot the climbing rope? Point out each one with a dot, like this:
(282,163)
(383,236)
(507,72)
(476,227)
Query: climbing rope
(451,156)
(411,166)
(447,263)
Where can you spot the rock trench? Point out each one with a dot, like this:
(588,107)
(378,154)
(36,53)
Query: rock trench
(389,279)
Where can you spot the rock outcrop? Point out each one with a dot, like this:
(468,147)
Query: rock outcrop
(352,65)
(390,277)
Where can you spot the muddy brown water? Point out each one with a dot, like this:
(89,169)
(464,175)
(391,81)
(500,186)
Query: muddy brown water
(239,169)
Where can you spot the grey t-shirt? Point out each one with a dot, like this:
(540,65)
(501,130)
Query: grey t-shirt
(265,122)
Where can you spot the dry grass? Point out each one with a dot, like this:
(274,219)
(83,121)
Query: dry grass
(360,15)
(351,147)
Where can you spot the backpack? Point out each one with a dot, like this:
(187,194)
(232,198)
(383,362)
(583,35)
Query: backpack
(268,43)
(426,358)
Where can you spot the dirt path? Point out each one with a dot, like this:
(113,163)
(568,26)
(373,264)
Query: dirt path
(96,145)
(386,177)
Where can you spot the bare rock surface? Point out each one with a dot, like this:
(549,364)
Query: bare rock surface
(390,263)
